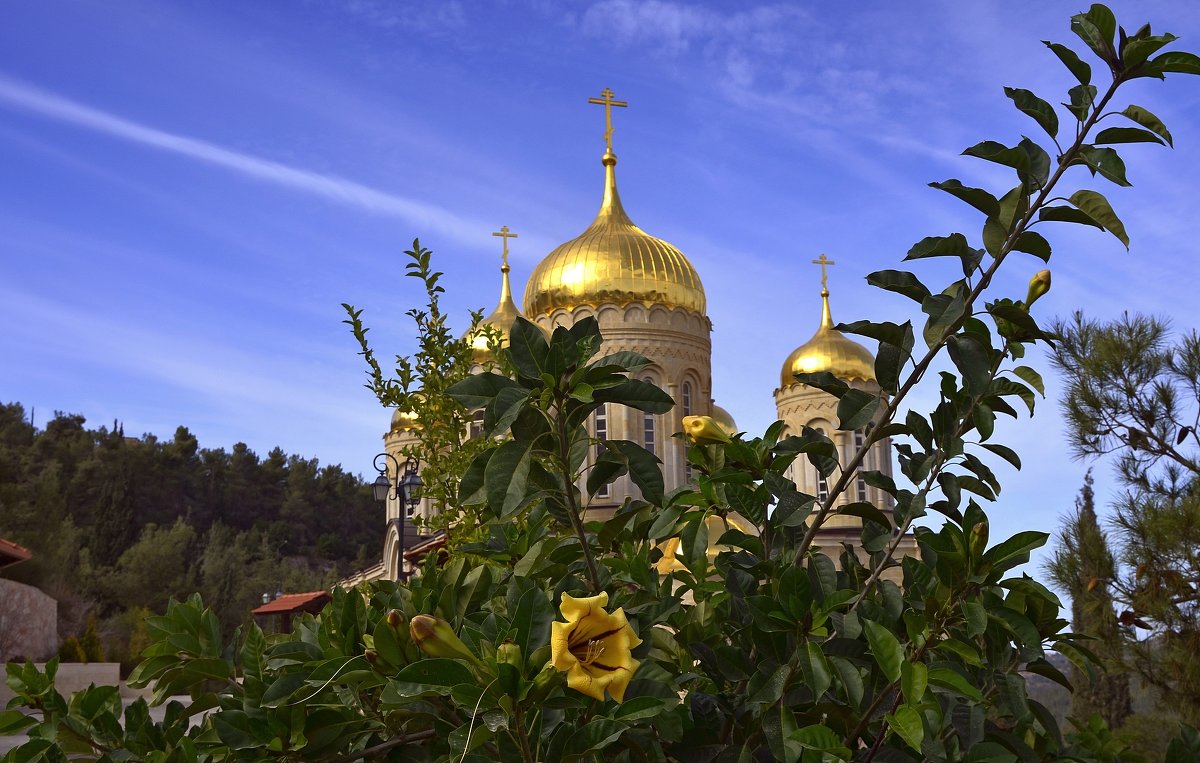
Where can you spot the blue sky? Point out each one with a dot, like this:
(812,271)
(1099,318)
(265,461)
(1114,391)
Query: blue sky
(189,190)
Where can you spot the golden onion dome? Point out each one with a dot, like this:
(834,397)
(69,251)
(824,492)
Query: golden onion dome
(501,319)
(613,261)
(404,421)
(724,420)
(829,350)
(717,526)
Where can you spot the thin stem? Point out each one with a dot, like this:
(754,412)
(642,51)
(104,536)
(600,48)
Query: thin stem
(384,746)
(919,369)
(568,482)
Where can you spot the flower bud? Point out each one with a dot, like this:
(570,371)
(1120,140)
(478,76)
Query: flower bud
(704,430)
(436,638)
(1038,285)
(395,619)
(372,657)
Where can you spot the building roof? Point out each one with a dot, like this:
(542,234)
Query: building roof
(294,602)
(11,553)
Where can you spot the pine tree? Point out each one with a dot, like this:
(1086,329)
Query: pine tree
(1083,566)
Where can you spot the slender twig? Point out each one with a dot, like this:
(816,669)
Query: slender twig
(382,747)
(920,367)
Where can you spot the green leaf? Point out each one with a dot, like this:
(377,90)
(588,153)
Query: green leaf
(944,310)
(528,349)
(623,361)
(1015,548)
(1096,28)
(885,647)
(693,544)
(914,677)
(824,381)
(1034,107)
(990,150)
(892,333)
(954,245)
(948,678)
(901,282)
(477,390)
(856,409)
(1096,207)
(976,197)
(531,619)
(644,468)
(430,675)
(973,360)
(638,394)
(1139,48)
(867,512)
(13,722)
(1178,62)
(504,409)
(1008,454)
(816,669)
(1146,119)
(976,617)
(1067,215)
(850,678)
(906,722)
(1031,377)
(1083,97)
(1016,624)
(1107,162)
(1127,135)
(1071,60)
(506,477)
(1032,242)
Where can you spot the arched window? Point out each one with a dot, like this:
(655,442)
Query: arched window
(859,439)
(601,430)
(822,483)
(477,423)
(685,394)
(649,427)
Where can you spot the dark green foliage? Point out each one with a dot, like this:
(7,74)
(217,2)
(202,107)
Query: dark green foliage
(116,522)
(1083,567)
(1131,393)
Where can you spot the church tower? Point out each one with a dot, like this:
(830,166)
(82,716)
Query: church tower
(647,298)
(799,405)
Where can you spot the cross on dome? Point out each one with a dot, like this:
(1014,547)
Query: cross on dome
(606,100)
(505,236)
(823,261)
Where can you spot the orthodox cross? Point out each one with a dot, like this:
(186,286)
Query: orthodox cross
(505,235)
(606,100)
(823,261)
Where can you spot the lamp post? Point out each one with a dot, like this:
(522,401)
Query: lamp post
(407,490)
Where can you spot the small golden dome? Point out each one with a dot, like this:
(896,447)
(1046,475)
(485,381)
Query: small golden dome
(613,261)
(724,420)
(829,350)
(404,421)
(717,526)
(501,319)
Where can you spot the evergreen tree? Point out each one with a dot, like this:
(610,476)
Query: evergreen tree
(1083,566)
(1132,394)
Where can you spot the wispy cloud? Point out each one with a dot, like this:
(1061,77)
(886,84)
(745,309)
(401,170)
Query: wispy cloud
(331,187)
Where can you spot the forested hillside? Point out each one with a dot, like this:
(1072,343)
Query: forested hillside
(120,524)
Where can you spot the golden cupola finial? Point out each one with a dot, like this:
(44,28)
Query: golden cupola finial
(829,349)
(506,313)
(613,261)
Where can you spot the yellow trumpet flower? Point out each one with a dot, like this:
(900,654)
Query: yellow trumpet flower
(704,430)
(593,647)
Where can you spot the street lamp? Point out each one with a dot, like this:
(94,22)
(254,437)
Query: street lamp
(407,490)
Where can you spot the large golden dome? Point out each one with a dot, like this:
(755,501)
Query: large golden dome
(829,350)
(613,261)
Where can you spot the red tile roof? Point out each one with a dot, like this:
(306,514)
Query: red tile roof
(295,602)
(11,553)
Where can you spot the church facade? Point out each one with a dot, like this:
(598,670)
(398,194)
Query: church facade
(648,298)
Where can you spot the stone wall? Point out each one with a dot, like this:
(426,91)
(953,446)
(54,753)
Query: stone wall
(28,622)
